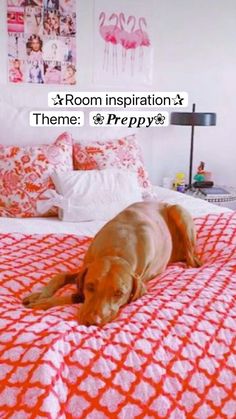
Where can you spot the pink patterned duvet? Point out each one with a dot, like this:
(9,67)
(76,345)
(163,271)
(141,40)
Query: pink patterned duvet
(170,354)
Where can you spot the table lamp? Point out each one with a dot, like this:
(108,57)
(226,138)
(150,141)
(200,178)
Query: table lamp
(192,119)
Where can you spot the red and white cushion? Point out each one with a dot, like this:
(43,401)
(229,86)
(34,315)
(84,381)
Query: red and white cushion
(123,153)
(25,175)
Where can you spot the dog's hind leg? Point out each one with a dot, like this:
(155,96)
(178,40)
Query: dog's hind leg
(181,221)
(44,298)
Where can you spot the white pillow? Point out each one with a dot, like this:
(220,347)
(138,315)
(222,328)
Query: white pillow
(87,195)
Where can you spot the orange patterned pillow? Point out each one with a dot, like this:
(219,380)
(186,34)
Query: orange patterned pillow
(25,175)
(124,153)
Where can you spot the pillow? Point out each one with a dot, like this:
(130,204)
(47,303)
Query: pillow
(93,194)
(123,153)
(25,175)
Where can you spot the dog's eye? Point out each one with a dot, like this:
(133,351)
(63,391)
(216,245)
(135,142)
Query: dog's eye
(90,287)
(118,293)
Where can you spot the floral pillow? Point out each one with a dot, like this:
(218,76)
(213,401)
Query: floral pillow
(124,153)
(25,175)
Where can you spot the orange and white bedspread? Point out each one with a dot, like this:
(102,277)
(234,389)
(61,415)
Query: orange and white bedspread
(171,354)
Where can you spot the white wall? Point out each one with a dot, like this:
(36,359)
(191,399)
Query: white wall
(195,51)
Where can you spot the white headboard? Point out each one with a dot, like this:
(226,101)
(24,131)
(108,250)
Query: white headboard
(15,128)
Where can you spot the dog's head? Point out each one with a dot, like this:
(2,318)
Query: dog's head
(106,285)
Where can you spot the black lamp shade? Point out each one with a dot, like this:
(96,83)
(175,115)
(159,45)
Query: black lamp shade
(193,118)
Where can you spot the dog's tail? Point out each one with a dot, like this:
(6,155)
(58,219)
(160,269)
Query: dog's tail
(183,223)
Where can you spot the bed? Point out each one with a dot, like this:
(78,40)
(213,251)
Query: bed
(170,354)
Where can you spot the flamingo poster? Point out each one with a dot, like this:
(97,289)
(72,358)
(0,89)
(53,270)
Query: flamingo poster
(122,43)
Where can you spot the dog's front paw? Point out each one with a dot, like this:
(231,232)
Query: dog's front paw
(31,298)
(40,304)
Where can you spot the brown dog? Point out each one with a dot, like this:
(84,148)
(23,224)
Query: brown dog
(128,251)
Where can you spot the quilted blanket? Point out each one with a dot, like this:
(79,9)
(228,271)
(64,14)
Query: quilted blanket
(170,354)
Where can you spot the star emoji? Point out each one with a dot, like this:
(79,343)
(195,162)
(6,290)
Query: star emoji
(178,100)
(58,100)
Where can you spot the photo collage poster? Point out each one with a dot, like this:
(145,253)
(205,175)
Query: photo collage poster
(41,41)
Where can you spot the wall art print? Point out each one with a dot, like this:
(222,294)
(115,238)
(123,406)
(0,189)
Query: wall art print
(123,43)
(41,41)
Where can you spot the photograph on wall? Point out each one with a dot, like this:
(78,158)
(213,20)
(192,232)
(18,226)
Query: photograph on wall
(42,41)
(123,39)
(33,19)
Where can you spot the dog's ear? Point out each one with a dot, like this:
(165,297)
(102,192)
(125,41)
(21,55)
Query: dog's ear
(80,284)
(138,289)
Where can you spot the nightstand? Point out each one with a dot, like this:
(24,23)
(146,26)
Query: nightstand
(227,200)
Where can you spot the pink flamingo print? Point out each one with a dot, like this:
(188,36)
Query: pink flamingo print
(129,40)
(114,39)
(145,41)
(122,39)
(117,31)
(110,34)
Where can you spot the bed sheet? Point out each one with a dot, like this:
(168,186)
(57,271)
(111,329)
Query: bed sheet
(48,225)
(171,354)
(196,207)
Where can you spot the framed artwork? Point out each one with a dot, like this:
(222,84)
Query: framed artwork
(41,41)
(123,52)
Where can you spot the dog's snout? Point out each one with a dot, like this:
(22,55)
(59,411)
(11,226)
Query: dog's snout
(93,320)
(92,315)
(97,319)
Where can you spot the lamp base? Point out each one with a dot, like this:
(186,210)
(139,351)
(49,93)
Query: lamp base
(189,187)
(203,184)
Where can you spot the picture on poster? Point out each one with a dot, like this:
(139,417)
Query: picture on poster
(16,46)
(34,47)
(41,41)
(68,25)
(16,70)
(15,19)
(33,20)
(52,72)
(54,49)
(51,22)
(70,50)
(123,39)
(68,74)
(51,4)
(34,71)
